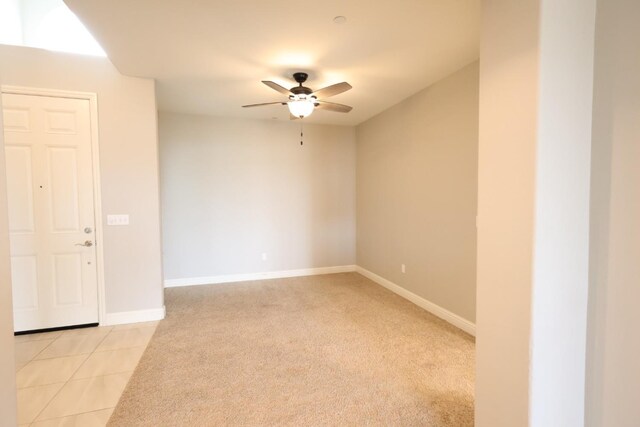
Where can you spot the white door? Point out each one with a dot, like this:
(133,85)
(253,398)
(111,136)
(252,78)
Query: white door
(51,211)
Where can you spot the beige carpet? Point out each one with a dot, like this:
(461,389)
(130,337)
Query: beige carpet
(323,350)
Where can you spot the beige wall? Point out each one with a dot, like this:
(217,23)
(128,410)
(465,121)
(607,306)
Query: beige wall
(417,193)
(233,189)
(7,364)
(128,163)
(533,211)
(508,97)
(613,372)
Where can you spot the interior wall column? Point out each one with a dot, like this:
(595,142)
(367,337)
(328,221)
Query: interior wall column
(536,77)
(8,406)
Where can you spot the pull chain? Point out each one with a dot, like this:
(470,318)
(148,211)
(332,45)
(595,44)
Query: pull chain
(301,133)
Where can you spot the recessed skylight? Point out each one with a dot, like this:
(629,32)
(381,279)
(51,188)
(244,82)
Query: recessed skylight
(45,24)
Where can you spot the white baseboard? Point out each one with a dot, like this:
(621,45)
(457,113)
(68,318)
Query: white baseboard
(230,278)
(454,319)
(134,316)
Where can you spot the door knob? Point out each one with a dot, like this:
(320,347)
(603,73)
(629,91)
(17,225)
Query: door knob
(87,243)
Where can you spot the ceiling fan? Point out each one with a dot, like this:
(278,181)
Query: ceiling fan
(302,100)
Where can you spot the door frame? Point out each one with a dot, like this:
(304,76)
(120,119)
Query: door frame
(95,166)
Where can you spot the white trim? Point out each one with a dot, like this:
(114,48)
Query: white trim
(55,93)
(230,278)
(134,316)
(444,314)
(95,163)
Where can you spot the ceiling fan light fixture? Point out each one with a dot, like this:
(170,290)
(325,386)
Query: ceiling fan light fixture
(302,100)
(301,108)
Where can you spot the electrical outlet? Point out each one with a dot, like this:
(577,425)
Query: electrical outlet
(403,268)
(264,256)
(118,219)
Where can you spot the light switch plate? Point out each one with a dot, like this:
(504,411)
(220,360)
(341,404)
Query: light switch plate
(118,219)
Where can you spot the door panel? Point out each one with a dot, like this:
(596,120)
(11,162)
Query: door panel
(20,189)
(50,191)
(61,121)
(24,270)
(16,119)
(67,279)
(63,168)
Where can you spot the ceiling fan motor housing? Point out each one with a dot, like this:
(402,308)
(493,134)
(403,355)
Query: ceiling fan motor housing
(301,90)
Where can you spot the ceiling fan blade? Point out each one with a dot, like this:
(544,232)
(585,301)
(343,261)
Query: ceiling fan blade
(264,103)
(277,87)
(332,106)
(332,90)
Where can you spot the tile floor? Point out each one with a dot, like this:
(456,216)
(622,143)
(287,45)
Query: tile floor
(76,377)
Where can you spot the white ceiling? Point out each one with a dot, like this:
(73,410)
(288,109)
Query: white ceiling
(209,56)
